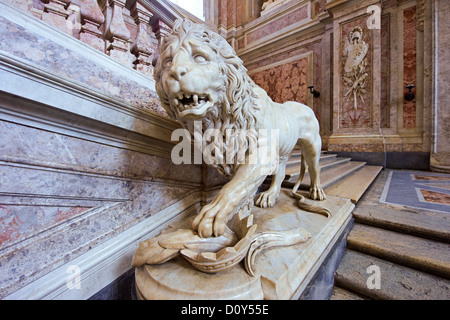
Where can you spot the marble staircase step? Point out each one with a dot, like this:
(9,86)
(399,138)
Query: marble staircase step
(293,166)
(328,175)
(343,294)
(296,160)
(354,185)
(296,153)
(433,225)
(422,254)
(354,279)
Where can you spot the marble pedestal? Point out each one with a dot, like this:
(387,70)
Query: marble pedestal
(280,272)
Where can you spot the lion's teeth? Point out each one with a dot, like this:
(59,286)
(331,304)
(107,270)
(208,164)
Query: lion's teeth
(180,96)
(188,96)
(195,97)
(176,102)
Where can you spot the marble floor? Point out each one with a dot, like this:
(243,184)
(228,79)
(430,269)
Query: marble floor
(418,189)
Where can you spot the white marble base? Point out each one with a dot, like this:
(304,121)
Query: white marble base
(281,273)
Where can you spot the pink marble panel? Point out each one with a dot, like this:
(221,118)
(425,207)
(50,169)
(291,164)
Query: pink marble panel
(262,78)
(231,12)
(223,12)
(409,65)
(278,24)
(19,222)
(435,197)
(385,72)
(287,82)
(320,7)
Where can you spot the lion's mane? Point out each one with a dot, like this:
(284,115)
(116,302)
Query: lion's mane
(236,111)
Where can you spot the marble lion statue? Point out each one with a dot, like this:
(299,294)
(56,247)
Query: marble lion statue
(199,77)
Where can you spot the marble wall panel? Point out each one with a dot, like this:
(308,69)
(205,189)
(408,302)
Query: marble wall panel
(385,72)
(287,74)
(37,252)
(61,195)
(409,65)
(359,116)
(64,152)
(20,222)
(287,82)
(278,24)
(320,6)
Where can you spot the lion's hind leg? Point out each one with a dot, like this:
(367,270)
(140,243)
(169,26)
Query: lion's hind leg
(311,154)
(316,191)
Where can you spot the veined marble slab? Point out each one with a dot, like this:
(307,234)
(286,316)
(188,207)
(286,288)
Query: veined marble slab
(280,273)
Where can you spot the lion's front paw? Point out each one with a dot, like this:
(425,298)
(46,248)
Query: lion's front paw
(317,193)
(212,219)
(267,199)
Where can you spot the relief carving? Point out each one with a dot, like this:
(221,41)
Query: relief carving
(354,75)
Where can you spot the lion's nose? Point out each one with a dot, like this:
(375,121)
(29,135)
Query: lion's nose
(178,72)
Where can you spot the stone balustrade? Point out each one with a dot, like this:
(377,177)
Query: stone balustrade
(127,31)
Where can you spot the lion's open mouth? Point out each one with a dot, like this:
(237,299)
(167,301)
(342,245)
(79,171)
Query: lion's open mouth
(186,101)
(192,103)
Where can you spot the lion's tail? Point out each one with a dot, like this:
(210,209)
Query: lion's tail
(302,174)
(301,199)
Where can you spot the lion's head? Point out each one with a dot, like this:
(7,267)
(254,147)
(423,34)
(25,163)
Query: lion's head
(199,77)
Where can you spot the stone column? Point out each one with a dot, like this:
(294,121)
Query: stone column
(440,153)
(142,46)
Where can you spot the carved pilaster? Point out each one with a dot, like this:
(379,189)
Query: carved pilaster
(91,20)
(142,46)
(420,14)
(55,13)
(118,34)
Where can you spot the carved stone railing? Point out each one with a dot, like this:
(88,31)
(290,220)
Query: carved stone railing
(129,31)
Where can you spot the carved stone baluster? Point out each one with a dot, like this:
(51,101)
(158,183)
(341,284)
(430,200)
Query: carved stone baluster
(118,34)
(161,30)
(142,46)
(55,13)
(91,20)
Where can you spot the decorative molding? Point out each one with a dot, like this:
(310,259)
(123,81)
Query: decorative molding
(27,81)
(305,22)
(168,12)
(420,14)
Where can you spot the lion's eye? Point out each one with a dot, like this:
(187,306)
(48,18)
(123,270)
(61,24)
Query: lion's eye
(167,63)
(200,58)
